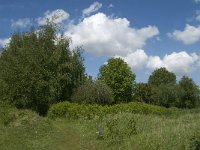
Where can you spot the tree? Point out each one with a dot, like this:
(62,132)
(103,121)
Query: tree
(93,92)
(146,93)
(162,76)
(119,77)
(38,69)
(189,93)
(167,95)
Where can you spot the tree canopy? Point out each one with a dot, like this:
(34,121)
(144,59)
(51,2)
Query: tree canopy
(119,77)
(37,69)
(162,76)
(189,93)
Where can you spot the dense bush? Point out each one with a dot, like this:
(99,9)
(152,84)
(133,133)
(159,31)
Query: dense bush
(93,92)
(74,111)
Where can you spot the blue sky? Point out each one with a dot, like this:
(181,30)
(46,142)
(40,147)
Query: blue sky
(146,34)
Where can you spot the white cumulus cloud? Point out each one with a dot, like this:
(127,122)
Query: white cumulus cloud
(22,23)
(197,1)
(57,16)
(92,8)
(4,42)
(136,60)
(104,35)
(180,63)
(189,35)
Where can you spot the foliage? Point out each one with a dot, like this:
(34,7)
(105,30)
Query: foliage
(146,93)
(75,111)
(176,131)
(162,76)
(189,93)
(119,77)
(93,92)
(167,95)
(38,69)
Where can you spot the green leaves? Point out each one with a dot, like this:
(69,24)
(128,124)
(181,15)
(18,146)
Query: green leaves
(119,77)
(93,92)
(189,93)
(162,76)
(38,69)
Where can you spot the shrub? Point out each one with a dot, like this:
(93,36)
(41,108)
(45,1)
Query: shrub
(74,111)
(93,93)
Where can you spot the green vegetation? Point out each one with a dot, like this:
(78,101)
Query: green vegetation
(74,111)
(119,77)
(38,69)
(93,92)
(122,130)
(162,76)
(41,75)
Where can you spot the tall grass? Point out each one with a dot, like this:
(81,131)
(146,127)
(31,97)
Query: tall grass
(112,131)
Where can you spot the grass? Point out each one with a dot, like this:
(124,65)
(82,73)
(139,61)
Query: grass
(28,131)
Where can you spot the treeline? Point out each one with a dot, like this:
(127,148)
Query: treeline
(38,69)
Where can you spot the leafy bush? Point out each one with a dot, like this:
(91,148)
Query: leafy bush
(93,93)
(74,111)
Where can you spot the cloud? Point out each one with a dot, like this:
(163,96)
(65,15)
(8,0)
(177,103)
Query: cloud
(4,42)
(22,23)
(104,35)
(136,60)
(111,6)
(92,8)
(57,16)
(180,63)
(189,35)
(196,1)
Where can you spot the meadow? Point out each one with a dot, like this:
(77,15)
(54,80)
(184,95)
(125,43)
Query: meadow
(127,130)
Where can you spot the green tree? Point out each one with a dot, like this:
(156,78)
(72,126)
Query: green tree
(93,92)
(146,93)
(167,95)
(119,77)
(162,76)
(38,69)
(189,93)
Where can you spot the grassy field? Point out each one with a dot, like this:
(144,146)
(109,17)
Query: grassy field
(25,130)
